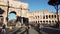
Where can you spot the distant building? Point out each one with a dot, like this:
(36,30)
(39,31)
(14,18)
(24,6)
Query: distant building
(43,17)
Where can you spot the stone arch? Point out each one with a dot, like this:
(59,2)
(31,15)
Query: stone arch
(1,11)
(13,22)
(13,12)
(9,13)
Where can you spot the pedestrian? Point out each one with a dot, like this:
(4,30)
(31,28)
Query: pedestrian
(3,29)
(41,27)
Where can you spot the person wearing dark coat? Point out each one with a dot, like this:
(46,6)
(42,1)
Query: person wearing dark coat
(3,29)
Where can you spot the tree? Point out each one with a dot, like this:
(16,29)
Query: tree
(56,4)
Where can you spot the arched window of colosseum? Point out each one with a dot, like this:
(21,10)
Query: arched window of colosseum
(50,22)
(43,17)
(38,17)
(41,22)
(38,21)
(47,22)
(44,22)
(55,16)
(52,16)
(55,21)
(1,11)
(49,16)
(46,16)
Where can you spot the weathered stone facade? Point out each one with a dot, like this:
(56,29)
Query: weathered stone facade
(43,17)
(11,6)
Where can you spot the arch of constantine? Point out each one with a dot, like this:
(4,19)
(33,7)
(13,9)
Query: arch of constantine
(11,6)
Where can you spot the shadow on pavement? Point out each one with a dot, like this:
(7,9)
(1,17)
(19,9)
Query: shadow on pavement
(26,31)
(16,31)
(36,28)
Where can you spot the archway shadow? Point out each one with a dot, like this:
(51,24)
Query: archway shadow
(36,28)
(1,11)
(26,31)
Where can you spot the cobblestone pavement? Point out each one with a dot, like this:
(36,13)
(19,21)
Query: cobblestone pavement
(50,30)
(31,30)
(21,31)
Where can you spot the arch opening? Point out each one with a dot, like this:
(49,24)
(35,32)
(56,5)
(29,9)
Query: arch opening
(1,11)
(12,18)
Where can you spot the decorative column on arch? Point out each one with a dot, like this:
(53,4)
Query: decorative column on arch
(24,11)
(5,21)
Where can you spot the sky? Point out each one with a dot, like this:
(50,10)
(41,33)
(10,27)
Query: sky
(35,5)
(12,16)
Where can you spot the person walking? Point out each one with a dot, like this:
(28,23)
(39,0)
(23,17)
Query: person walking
(3,29)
